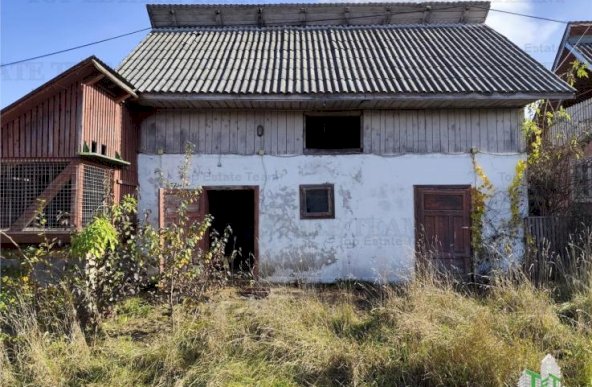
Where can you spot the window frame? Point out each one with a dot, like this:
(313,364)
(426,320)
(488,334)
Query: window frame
(330,188)
(319,151)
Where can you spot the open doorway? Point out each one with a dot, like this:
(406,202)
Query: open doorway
(236,207)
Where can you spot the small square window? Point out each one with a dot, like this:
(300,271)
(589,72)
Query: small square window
(317,201)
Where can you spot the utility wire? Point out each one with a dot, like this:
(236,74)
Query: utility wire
(524,15)
(74,48)
(294,22)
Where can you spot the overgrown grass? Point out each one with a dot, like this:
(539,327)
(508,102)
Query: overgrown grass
(428,333)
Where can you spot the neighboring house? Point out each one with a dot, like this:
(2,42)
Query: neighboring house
(65,147)
(331,136)
(576,45)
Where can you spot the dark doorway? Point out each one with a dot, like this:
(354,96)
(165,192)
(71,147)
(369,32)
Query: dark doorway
(236,208)
(443,227)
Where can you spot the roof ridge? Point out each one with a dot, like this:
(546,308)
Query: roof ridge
(175,15)
(317,27)
(314,5)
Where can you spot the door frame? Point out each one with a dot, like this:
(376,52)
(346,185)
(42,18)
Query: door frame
(255,189)
(416,200)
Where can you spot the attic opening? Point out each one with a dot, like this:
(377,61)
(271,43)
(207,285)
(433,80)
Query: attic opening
(333,133)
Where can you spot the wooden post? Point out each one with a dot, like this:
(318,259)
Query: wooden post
(77,190)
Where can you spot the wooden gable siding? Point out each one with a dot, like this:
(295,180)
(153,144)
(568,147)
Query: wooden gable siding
(102,120)
(384,131)
(443,131)
(579,124)
(46,129)
(223,132)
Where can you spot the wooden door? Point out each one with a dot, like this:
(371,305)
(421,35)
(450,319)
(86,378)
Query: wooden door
(168,211)
(171,199)
(443,227)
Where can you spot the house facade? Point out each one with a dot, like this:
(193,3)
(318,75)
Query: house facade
(333,133)
(334,139)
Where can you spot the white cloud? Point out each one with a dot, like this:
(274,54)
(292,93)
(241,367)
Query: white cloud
(529,34)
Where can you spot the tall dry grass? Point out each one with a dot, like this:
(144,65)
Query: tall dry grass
(429,333)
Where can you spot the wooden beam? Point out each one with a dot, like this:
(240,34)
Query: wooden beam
(92,80)
(43,200)
(122,98)
(33,236)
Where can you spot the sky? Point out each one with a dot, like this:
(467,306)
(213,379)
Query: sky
(30,28)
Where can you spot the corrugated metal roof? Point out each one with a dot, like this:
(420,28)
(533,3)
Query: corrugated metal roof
(392,59)
(586,50)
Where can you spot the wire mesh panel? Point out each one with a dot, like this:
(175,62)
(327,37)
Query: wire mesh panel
(24,185)
(96,193)
(583,180)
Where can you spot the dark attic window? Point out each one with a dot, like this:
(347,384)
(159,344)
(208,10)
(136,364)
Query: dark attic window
(333,134)
(317,201)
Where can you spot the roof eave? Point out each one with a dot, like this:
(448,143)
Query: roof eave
(67,76)
(519,98)
(119,81)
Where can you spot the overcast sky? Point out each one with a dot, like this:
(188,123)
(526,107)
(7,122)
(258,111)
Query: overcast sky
(34,27)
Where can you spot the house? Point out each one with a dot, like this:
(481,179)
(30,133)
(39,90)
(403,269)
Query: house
(333,138)
(576,45)
(65,147)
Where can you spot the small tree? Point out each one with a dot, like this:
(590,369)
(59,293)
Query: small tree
(192,261)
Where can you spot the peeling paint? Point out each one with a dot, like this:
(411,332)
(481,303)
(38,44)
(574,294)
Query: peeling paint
(372,235)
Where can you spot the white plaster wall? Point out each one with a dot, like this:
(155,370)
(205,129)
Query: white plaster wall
(372,235)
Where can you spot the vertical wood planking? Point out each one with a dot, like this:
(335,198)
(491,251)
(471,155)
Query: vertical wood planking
(250,131)
(290,133)
(299,133)
(475,128)
(396,146)
(483,128)
(444,134)
(429,131)
(383,132)
(376,139)
(55,133)
(241,128)
(282,148)
(491,127)
(27,132)
(259,119)
(268,137)
(388,146)
(185,133)
(209,123)
(225,133)
(160,129)
(367,133)
(217,133)
(520,140)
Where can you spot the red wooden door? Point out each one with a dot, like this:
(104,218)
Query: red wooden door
(170,201)
(443,227)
